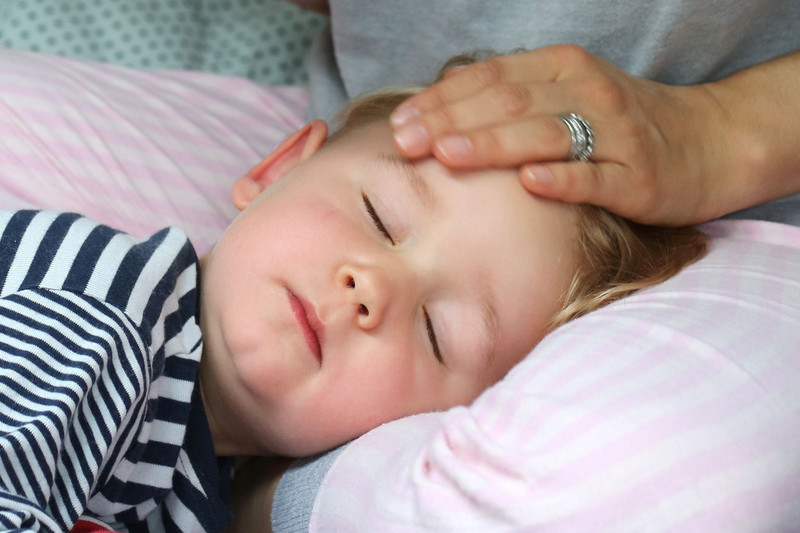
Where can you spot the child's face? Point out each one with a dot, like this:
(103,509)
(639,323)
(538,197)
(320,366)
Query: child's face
(320,324)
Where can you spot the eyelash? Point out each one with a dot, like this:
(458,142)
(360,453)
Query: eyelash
(432,337)
(376,220)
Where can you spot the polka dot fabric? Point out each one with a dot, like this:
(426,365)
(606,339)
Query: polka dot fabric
(264,40)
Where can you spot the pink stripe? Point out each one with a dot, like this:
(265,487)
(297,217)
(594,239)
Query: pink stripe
(181,144)
(766,508)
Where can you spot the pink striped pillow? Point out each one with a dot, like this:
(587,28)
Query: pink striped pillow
(677,409)
(136,150)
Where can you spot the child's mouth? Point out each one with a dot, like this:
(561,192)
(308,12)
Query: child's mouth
(309,324)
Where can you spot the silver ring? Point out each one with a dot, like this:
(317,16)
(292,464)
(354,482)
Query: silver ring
(582,136)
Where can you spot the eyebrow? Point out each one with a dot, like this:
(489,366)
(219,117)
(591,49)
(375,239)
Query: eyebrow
(418,184)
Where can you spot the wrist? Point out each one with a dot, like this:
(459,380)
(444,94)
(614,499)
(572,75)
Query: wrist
(700,129)
(758,127)
(744,145)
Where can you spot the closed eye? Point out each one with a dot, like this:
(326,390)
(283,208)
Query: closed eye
(375,218)
(432,337)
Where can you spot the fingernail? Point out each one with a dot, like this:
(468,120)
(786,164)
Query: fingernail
(403,115)
(412,138)
(538,174)
(455,147)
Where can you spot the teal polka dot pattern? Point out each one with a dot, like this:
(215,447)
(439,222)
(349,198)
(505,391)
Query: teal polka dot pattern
(264,40)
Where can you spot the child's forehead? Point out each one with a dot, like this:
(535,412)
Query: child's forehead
(367,153)
(365,145)
(368,133)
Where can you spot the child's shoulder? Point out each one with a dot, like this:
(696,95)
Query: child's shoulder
(68,252)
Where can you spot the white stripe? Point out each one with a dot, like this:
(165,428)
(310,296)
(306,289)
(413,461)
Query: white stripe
(153,272)
(183,517)
(26,251)
(64,258)
(167,432)
(18,442)
(99,321)
(107,266)
(174,389)
(152,475)
(189,332)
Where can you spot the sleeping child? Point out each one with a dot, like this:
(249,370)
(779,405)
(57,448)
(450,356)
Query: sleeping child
(355,287)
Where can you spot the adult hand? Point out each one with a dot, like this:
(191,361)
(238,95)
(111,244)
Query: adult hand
(662,154)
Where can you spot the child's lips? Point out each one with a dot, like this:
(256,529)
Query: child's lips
(309,323)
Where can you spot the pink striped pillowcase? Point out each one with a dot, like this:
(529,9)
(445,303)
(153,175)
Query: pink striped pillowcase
(674,410)
(136,150)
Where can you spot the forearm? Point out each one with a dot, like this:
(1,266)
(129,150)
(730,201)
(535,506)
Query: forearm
(760,109)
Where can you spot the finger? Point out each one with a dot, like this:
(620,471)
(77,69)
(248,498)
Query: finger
(604,184)
(461,84)
(495,106)
(543,138)
(541,65)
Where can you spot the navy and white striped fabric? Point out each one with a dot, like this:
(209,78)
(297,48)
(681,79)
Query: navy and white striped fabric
(99,353)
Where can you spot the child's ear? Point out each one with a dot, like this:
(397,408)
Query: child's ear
(298,147)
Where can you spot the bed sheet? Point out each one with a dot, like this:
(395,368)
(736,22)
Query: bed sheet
(266,41)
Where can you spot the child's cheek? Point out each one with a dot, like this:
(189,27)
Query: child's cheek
(323,224)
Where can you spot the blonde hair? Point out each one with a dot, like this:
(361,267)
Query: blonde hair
(616,256)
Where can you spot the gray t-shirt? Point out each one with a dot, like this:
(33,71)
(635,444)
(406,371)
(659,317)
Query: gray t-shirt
(370,44)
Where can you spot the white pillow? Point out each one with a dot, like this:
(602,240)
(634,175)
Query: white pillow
(133,149)
(676,409)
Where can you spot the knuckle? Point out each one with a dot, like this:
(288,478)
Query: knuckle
(511,99)
(566,185)
(631,143)
(586,189)
(487,72)
(552,132)
(573,54)
(431,98)
(441,120)
(489,145)
(606,92)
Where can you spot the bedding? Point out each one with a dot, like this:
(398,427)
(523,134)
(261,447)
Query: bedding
(673,410)
(133,149)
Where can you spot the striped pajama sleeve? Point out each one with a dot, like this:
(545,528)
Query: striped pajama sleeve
(99,349)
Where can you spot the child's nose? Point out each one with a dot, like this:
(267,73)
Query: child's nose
(370,290)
